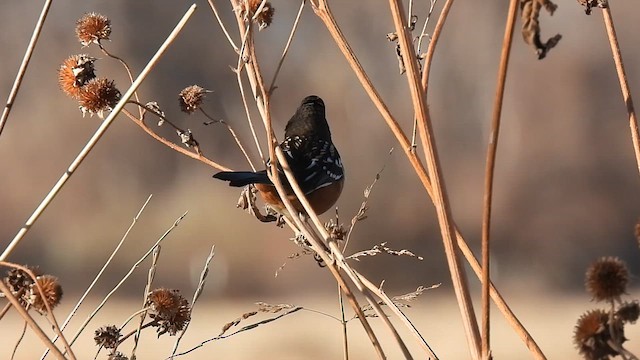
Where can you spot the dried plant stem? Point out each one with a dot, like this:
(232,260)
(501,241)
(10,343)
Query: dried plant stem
(96,136)
(194,155)
(30,321)
(126,68)
(343,323)
(437,31)
(440,199)
(324,13)
(25,63)
(22,333)
(147,289)
(492,149)
(102,270)
(624,85)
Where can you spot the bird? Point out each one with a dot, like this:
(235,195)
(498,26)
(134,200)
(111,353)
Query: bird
(312,158)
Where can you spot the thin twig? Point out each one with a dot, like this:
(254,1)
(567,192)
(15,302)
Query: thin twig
(97,135)
(224,29)
(233,134)
(286,48)
(492,149)
(25,63)
(624,85)
(196,295)
(194,155)
(437,31)
(32,323)
(22,333)
(127,68)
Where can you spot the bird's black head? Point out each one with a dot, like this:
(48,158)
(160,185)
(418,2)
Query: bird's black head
(309,119)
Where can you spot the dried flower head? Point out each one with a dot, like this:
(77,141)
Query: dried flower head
(191,97)
(607,279)
(97,96)
(117,355)
(19,281)
(74,73)
(629,312)
(254,10)
(589,4)
(107,336)
(51,293)
(170,310)
(592,335)
(92,28)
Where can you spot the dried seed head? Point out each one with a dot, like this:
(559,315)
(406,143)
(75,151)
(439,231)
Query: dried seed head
(51,293)
(169,309)
(629,312)
(92,28)
(607,279)
(117,355)
(98,96)
(592,335)
(74,73)
(250,10)
(107,336)
(19,281)
(589,4)
(191,97)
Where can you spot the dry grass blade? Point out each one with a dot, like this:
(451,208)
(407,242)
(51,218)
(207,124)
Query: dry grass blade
(243,329)
(196,295)
(531,26)
(380,249)
(97,135)
(25,63)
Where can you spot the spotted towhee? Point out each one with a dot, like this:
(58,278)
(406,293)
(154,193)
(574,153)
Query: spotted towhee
(312,157)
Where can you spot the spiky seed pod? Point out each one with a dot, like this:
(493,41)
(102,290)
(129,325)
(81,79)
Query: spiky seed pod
(191,97)
(607,279)
(169,309)
(264,17)
(97,96)
(592,335)
(51,293)
(629,312)
(107,336)
(93,28)
(74,73)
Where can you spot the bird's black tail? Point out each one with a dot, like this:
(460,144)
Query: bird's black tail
(243,178)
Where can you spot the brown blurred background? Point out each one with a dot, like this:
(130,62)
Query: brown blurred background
(566,178)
